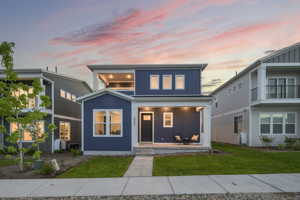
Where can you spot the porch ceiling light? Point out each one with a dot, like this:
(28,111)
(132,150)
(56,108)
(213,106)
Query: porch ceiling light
(166,108)
(185,108)
(128,76)
(111,76)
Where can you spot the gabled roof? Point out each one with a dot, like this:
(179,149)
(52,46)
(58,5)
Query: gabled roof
(103,92)
(146,66)
(255,64)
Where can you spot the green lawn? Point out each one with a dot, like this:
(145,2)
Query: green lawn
(99,167)
(238,160)
(5,162)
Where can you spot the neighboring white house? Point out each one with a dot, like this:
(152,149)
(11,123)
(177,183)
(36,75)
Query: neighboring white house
(262,100)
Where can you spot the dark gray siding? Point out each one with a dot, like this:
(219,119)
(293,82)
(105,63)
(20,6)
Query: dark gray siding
(63,106)
(292,55)
(185,123)
(107,143)
(192,82)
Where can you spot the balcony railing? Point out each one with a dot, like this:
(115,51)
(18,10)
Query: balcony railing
(282,91)
(254,94)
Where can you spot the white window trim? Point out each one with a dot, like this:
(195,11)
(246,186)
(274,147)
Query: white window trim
(176,84)
(284,124)
(286,78)
(154,75)
(24,141)
(164,120)
(107,130)
(171,84)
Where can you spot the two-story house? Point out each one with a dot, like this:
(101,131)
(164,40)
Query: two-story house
(64,111)
(262,100)
(138,107)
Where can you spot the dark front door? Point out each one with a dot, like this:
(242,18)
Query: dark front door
(146,127)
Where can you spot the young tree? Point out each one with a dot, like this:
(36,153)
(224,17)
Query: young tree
(18,107)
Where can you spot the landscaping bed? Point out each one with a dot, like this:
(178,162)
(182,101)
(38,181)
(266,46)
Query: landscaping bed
(235,160)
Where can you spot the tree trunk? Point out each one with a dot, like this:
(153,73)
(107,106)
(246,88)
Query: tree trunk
(21,154)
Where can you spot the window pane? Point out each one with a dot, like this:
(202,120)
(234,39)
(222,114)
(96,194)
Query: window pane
(291,118)
(100,129)
(115,117)
(277,118)
(290,128)
(115,129)
(100,117)
(168,119)
(167,82)
(154,82)
(73,98)
(277,128)
(265,128)
(265,119)
(291,88)
(65,131)
(69,96)
(179,81)
(63,93)
(27,136)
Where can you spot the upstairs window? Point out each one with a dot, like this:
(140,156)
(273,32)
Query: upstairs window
(31,101)
(73,97)
(69,96)
(154,82)
(27,136)
(179,82)
(62,93)
(167,82)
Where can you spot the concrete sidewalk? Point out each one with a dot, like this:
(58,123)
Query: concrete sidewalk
(140,166)
(264,183)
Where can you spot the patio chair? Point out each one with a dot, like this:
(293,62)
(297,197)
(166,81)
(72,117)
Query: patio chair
(195,138)
(178,139)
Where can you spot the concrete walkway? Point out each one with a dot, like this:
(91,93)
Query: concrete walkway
(140,166)
(264,183)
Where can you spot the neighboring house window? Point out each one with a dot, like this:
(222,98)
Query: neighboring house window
(69,96)
(31,101)
(73,97)
(280,87)
(167,82)
(108,122)
(62,93)
(278,123)
(65,131)
(27,136)
(238,124)
(290,123)
(154,82)
(202,121)
(179,82)
(168,120)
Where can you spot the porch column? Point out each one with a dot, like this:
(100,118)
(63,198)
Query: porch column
(206,136)
(262,81)
(134,125)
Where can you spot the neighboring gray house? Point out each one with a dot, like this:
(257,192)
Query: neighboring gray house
(64,112)
(262,100)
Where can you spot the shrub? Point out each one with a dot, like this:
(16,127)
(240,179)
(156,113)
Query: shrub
(281,146)
(266,140)
(59,151)
(296,145)
(290,142)
(76,152)
(47,169)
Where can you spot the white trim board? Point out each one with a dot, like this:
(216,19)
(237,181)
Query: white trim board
(231,112)
(66,117)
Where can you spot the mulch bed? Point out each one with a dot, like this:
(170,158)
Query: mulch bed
(65,161)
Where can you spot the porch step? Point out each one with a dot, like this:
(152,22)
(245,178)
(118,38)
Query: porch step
(157,150)
(143,151)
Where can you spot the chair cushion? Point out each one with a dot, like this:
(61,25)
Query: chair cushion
(178,138)
(195,137)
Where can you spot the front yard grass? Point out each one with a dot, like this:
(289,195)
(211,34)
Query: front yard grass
(235,160)
(100,167)
(6,162)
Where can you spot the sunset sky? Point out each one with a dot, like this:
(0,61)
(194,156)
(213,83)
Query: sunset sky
(226,34)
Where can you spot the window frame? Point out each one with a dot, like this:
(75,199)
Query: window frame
(158,80)
(70,132)
(107,123)
(286,86)
(10,130)
(176,84)
(164,120)
(238,120)
(284,124)
(171,80)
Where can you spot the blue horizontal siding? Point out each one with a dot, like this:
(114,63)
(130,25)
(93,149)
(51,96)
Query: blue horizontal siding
(129,92)
(107,143)
(192,82)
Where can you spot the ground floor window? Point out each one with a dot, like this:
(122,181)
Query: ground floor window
(168,120)
(65,131)
(238,124)
(277,123)
(107,122)
(27,136)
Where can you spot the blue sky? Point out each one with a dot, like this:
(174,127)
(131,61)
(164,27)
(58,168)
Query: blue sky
(226,34)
